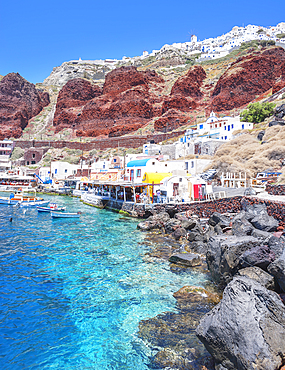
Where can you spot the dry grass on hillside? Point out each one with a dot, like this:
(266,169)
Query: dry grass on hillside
(246,154)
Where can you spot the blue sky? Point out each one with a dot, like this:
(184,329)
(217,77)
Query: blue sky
(39,35)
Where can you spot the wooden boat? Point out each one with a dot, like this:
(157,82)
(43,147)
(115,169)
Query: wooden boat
(56,214)
(22,199)
(51,207)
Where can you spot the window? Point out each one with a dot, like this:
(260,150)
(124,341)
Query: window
(33,162)
(103,166)
(115,160)
(186,166)
(229,127)
(192,164)
(242,126)
(225,127)
(153,163)
(165,165)
(139,172)
(180,179)
(65,171)
(28,163)
(34,155)
(232,125)
(200,127)
(226,137)
(55,171)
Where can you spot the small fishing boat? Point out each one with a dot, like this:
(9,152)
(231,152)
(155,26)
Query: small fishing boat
(51,207)
(22,199)
(55,214)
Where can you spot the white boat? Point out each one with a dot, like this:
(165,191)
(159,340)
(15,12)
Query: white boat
(24,200)
(51,207)
(56,214)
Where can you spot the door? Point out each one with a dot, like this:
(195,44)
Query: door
(132,175)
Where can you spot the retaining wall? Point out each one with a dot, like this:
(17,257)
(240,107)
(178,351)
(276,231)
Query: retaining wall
(99,144)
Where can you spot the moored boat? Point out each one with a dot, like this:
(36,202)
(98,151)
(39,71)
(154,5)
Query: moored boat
(24,200)
(56,214)
(51,207)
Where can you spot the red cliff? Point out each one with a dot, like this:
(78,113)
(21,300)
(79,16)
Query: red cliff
(249,76)
(19,102)
(189,85)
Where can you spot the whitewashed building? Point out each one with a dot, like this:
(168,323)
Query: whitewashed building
(6,149)
(222,128)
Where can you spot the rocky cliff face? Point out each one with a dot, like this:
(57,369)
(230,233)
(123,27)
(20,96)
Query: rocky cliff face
(19,102)
(130,99)
(92,70)
(249,76)
(189,85)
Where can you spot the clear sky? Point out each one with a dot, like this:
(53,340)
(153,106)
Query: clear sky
(39,35)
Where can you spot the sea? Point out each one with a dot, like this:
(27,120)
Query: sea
(73,291)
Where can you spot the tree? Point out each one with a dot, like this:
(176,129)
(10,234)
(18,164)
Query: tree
(257,112)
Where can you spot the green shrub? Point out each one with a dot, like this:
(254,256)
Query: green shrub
(257,112)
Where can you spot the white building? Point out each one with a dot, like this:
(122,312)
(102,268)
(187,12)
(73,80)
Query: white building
(222,128)
(6,149)
(62,170)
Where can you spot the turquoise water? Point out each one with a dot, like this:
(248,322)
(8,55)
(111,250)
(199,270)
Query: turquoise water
(73,291)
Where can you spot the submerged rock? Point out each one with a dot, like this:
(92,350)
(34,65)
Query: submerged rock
(246,330)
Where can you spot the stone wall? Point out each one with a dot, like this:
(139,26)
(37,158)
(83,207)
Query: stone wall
(100,144)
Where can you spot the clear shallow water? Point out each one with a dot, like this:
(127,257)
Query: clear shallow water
(74,291)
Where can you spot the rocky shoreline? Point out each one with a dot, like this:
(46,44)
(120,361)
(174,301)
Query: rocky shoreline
(245,255)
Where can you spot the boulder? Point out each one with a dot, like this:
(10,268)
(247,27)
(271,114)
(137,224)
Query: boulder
(277,269)
(280,111)
(265,222)
(161,217)
(246,330)
(276,245)
(260,135)
(264,235)
(171,225)
(258,275)
(260,256)
(148,225)
(178,233)
(277,122)
(219,219)
(223,255)
(241,227)
(251,211)
(186,259)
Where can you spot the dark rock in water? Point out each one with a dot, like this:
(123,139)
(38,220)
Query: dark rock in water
(186,259)
(265,222)
(171,225)
(246,330)
(277,269)
(241,227)
(148,225)
(216,218)
(260,135)
(223,255)
(178,233)
(260,256)
(276,245)
(258,275)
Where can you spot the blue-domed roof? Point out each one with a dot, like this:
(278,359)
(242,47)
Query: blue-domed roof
(212,118)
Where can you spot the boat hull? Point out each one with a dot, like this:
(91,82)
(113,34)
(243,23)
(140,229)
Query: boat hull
(64,215)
